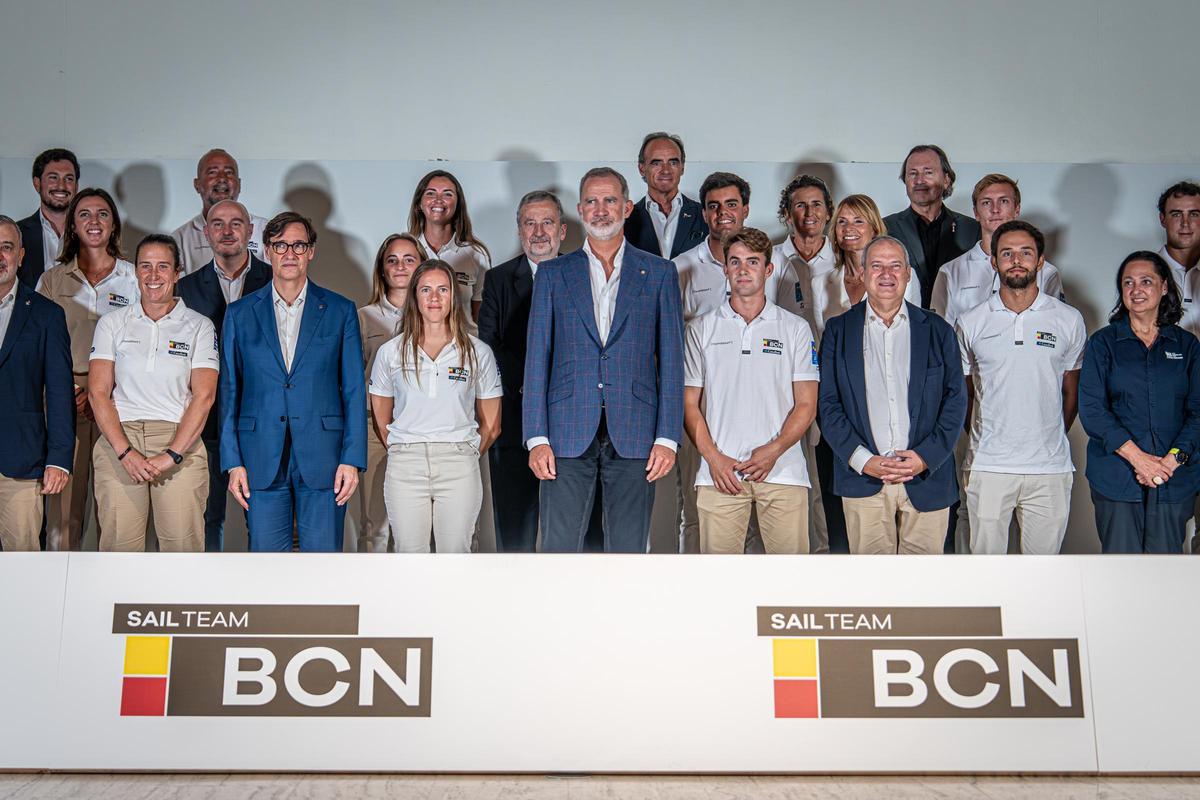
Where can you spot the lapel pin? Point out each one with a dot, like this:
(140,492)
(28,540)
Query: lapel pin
(642,271)
(321,307)
(28,302)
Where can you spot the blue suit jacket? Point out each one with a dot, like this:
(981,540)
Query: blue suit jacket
(937,405)
(322,399)
(37,391)
(638,373)
(201,292)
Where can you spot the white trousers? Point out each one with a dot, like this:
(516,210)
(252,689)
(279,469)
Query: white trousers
(1041,503)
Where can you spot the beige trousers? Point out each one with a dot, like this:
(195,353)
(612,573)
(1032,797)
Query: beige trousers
(782,517)
(1040,503)
(176,499)
(20,514)
(887,522)
(373,528)
(434,485)
(67,511)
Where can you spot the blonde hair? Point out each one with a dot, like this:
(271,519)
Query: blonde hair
(378,283)
(412,325)
(860,204)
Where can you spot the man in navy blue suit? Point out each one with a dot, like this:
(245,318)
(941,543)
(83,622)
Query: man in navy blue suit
(892,401)
(664,222)
(603,377)
(37,394)
(293,400)
(233,273)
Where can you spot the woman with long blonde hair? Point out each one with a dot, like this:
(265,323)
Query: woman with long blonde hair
(856,221)
(379,322)
(440,389)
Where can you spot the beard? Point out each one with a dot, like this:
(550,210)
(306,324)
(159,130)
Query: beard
(56,205)
(602,232)
(1019,281)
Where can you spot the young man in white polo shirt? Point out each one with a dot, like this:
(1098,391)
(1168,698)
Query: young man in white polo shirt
(1022,351)
(750,395)
(969,280)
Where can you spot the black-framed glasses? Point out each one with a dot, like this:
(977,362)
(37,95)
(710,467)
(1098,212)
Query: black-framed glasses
(299,248)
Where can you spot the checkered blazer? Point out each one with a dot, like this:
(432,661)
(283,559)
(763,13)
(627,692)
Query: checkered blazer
(637,375)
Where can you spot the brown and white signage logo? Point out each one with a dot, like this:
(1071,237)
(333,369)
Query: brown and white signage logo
(267,661)
(915,662)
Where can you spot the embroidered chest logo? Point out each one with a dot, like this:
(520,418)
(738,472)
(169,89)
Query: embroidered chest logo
(178,348)
(1044,339)
(460,374)
(1173,356)
(115,299)
(773,346)
(463,279)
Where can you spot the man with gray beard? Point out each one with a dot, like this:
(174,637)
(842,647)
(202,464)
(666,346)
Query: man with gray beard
(216,179)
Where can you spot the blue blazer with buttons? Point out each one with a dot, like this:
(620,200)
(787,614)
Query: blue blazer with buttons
(37,390)
(937,405)
(321,399)
(636,375)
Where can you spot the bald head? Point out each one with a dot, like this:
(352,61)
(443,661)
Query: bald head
(227,226)
(217,179)
(229,204)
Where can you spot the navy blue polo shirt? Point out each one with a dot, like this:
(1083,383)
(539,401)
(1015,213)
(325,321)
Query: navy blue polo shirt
(1148,394)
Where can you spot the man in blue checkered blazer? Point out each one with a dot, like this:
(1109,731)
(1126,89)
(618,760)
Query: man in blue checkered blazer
(603,377)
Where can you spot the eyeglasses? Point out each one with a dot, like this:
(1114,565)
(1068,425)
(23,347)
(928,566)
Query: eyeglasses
(299,248)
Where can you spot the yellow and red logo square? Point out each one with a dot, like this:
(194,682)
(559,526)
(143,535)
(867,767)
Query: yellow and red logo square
(144,687)
(796,691)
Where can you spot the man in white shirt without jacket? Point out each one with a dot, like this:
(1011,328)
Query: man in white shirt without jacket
(750,394)
(1021,353)
(1179,215)
(216,179)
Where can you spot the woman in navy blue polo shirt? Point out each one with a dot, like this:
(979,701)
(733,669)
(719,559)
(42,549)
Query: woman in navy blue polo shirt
(1139,401)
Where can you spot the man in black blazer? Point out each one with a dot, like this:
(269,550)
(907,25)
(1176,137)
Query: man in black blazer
(932,233)
(664,222)
(233,273)
(37,393)
(55,179)
(503,322)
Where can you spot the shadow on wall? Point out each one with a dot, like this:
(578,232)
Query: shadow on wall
(1087,195)
(141,191)
(342,263)
(524,172)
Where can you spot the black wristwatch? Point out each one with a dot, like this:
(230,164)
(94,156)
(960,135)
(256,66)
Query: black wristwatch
(1180,456)
(178,459)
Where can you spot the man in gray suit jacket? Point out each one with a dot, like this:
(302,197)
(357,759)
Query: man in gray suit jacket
(932,233)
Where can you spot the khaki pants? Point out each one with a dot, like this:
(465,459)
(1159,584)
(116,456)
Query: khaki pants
(818,533)
(67,511)
(782,517)
(1042,504)
(435,485)
(176,499)
(887,522)
(373,528)
(20,514)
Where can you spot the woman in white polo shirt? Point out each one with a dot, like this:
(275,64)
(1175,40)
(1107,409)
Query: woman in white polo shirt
(151,382)
(438,218)
(379,322)
(440,388)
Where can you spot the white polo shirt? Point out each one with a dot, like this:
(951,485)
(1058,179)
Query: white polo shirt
(85,304)
(971,279)
(378,323)
(153,361)
(195,249)
(1016,363)
(702,283)
(747,371)
(820,287)
(1180,273)
(469,265)
(1191,311)
(441,407)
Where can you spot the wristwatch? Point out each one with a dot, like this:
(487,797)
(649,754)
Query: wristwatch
(1180,456)
(178,459)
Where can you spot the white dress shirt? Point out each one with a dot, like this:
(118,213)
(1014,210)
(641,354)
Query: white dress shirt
(746,370)
(231,288)
(6,310)
(970,279)
(85,304)
(1016,363)
(195,249)
(887,359)
(665,225)
(469,264)
(153,360)
(287,322)
(51,242)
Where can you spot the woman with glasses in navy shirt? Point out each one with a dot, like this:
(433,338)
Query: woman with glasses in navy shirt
(1139,401)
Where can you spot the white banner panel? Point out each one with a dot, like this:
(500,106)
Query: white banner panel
(571,663)
(32,586)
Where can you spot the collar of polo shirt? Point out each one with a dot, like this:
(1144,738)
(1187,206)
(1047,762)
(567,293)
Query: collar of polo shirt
(1039,302)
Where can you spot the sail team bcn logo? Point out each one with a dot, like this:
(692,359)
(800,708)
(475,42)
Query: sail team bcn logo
(267,660)
(915,662)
